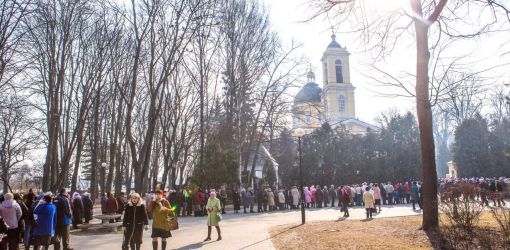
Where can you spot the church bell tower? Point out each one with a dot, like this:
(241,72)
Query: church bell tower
(338,91)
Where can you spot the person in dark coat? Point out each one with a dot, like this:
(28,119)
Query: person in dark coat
(332,195)
(111,205)
(77,210)
(64,219)
(260,200)
(24,210)
(326,196)
(122,202)
(415,194)
(103,203)
(134,222)
(29,219)
(236,198)
(319,197)
(45,224)
(88,207)
(345,197)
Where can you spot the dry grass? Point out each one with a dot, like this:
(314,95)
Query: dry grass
(384,233)
(381,233)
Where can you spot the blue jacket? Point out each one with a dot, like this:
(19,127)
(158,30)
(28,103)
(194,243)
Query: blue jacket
(64,213)
(46,219)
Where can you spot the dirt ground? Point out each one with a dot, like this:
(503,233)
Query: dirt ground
(383,233)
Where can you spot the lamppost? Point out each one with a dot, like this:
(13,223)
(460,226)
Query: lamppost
(299,132)
(103,177)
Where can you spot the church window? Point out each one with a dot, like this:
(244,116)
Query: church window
(341,103)
(338,69)
(308,118)
(325,72)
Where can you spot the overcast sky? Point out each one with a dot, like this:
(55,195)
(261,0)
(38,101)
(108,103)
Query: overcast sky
(287,17)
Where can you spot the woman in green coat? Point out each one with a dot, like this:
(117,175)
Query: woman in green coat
(213,209)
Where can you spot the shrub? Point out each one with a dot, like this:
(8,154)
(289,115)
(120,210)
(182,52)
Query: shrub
(502,217)
(460,211)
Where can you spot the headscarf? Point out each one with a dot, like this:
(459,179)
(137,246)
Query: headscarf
(76,195)
(212,195)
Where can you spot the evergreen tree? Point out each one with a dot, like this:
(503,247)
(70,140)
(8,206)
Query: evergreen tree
(499,144)
(471,151)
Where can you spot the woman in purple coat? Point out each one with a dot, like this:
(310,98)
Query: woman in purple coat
(308,196)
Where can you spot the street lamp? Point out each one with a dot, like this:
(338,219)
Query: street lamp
(103,176)
(299,132)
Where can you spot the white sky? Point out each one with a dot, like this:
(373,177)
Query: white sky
(287,17)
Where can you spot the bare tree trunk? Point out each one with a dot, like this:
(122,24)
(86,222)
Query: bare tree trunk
(424,112)
(95,150)
(113,147)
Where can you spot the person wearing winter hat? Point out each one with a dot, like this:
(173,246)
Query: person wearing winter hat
(77,205)
(134,222)
(88,206)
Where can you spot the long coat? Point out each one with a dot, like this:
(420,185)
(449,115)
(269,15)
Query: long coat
(319,196)
(368,199)
(64,213)
(135,217)
(414,193)
(308,195)
(245,198)
(88,206)
(46,219)
(332,193)
(270,198)
(77,211)
(295,196)
(326,195)
(237,201)
(111,205)
(213,203)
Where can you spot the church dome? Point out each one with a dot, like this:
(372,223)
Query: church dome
(334,43)
(311,92)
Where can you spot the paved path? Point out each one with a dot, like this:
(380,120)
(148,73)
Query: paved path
(239,231)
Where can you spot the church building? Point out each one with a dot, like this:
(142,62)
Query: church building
(334,103)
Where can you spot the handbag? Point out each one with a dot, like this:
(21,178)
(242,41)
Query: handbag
(171,222)
(219,217)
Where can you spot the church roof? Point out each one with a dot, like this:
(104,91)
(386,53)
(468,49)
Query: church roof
(355,121)
(311,92)
(334,43)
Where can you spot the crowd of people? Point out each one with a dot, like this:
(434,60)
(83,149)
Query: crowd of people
(46,219)
(37,220)
(369,195)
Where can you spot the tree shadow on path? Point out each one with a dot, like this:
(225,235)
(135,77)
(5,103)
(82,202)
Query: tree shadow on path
(201,244)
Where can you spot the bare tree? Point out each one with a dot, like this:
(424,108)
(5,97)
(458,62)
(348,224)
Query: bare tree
(12,34)
(17,137)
